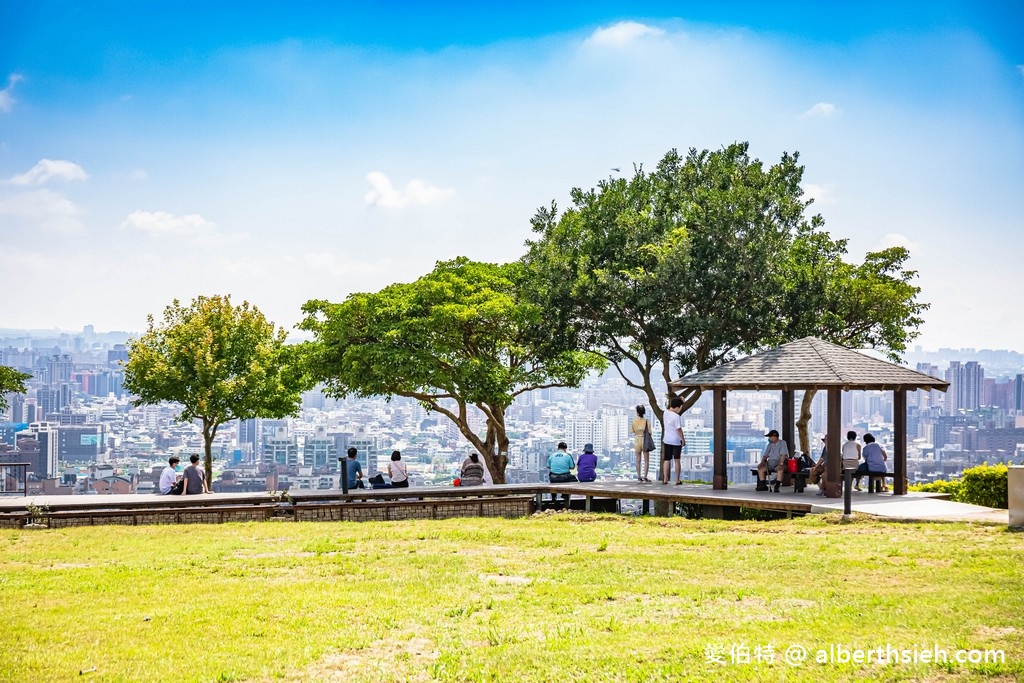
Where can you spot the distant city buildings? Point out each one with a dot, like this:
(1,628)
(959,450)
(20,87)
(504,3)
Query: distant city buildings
(80,433)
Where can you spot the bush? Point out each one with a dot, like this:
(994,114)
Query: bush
(940,486)
(984,485)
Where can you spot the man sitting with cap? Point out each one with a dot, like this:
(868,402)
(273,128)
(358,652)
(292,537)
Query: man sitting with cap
(773,461)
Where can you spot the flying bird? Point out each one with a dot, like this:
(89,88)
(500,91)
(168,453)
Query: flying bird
(616,169)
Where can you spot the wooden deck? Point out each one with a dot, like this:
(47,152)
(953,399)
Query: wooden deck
(507,500)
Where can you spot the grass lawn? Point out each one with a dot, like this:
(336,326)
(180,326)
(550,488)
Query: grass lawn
(550,598)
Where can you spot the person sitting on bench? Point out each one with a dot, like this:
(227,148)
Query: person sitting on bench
(874,462)
(773,461)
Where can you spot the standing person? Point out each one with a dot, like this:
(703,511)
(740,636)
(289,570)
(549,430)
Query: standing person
(472,473)
(773,461)
(586,464)
(672,442)
(643,445)
(397,471)
(194,477)
(170,481)
(850,453)
(354,470)
(874,461)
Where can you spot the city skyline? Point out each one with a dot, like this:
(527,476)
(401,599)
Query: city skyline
(281,155)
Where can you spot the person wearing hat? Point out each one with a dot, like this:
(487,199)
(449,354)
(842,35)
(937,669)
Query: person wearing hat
(586,464)
(773,459)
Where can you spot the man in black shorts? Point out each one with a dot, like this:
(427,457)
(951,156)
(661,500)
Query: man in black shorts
(672,441)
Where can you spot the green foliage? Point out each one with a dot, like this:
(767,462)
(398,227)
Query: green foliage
(11,381)
(676,270)
(219,362)
(952,487)
(984,484)
(463,335)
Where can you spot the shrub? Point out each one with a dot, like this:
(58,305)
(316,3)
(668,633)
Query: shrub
(981,485)
(940,486)
(985,485)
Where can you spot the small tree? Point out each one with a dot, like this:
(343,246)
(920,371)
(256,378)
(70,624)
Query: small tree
(463,335)
(220,362)
(11,381)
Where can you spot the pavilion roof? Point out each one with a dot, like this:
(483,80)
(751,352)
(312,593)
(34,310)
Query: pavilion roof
(811,363)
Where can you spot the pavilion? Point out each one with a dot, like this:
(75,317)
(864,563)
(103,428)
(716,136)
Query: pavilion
(811,363)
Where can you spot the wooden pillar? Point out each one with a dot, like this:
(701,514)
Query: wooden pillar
(788,427)
(899,447)
(721,474)
(833,444)
(789,421)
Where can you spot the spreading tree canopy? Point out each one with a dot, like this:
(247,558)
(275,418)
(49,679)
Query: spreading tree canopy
(676,270)
(220,362)
(463,335)
(709,256)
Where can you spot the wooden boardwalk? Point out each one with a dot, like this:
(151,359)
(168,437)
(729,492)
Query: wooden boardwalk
(501,500)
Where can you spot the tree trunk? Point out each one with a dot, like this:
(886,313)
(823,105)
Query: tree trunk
(209,432)
(804,420)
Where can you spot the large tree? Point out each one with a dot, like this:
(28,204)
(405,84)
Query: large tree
(11,381)
(220,362)
(463,335)
(676,270)
(873,304)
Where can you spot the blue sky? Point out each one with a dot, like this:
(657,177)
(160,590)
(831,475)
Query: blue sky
(285,152)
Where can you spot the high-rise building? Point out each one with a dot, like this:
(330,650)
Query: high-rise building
(1018,393)
(59,368)
(973,383)
(280,449)
(83,443)
(954,395)
(319,450)
(45,433)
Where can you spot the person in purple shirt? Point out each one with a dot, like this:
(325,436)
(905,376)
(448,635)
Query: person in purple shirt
(586,464)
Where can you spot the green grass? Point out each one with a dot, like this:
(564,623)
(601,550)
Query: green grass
(552,597)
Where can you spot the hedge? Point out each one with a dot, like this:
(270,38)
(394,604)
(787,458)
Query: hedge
(981,485)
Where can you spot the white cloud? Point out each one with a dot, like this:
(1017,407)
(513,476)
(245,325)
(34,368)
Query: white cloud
(6,98)
(622,33)
(896,239)
(138,174)
(161,222)
(823,195)
(202,232)
(50,169)
(42,209)
(822,110)
(386,195)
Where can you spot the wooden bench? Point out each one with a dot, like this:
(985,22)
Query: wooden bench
(797,479)
(879,479)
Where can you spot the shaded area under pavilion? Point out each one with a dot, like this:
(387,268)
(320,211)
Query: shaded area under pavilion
(802,365)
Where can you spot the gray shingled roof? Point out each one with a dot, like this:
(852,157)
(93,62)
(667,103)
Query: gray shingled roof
(810,363)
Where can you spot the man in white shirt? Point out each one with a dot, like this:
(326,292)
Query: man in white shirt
(169,477)
(672,441)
